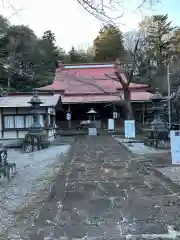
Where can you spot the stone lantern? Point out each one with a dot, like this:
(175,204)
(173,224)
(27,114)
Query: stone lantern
(35,111)
(92,131)
(157,124)
(92,115)
(158,130)
(36,138)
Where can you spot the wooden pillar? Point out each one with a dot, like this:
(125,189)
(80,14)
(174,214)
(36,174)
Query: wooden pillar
(54,120)
(46,125)
(69,121)
(143,110)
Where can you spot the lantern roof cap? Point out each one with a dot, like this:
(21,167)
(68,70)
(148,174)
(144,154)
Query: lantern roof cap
(92,111)
(157,95)
(35,99)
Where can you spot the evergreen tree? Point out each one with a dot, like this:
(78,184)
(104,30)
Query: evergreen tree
(108,45)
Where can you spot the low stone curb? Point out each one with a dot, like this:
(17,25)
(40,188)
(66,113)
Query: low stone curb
(174,186)
(127,150)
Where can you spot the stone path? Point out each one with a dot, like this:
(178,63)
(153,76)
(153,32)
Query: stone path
(104,192)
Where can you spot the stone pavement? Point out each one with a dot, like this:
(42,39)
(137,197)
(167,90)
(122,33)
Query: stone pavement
(104,192)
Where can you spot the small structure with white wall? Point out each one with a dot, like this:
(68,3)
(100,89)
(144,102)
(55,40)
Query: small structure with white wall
(15,117)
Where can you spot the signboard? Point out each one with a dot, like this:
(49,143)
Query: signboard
(68,116)
(175,146)
(129,126)
(110,124)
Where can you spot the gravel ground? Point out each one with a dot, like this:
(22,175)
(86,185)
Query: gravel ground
(33,172)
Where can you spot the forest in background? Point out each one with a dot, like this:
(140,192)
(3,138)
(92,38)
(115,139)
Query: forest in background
(27,61)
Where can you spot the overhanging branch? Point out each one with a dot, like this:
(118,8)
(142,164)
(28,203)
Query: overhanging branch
(88,82)
(110,11)
(113,78)
(134,62)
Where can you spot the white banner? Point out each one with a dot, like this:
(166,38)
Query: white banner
(175,146)
(129,128)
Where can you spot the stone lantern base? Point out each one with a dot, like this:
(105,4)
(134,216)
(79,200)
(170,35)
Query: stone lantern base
(92,130)
(35,139)
(35,142)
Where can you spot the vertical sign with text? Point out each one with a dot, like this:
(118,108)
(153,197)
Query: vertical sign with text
(129,127)
(175,146)
(110,124)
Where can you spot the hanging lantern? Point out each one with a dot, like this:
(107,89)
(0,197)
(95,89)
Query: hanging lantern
(115,114)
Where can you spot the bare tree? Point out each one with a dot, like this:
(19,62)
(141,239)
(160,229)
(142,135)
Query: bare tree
(125,78)
(110,11)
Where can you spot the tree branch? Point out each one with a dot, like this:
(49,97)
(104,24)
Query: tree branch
(118,71)
(87,81)
(134,62)
(111,77)
(106,10)
(15,10)
(108,13)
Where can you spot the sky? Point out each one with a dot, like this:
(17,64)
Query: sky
(71,24)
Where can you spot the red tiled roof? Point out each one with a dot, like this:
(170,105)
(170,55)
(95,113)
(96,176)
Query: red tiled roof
(140,96)
(90,72)
(87,83)
(98,73)
(72,83)
(117,85)
(89,99)
(48,87)
(135,96)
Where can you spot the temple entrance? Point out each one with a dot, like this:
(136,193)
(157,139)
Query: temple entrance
(79,113)
(104,111)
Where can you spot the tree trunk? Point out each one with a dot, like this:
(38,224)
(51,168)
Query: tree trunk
(127,103)
(128,107)
(125,82)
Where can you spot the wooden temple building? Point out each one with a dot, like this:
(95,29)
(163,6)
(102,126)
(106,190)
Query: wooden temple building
(86,86)
(16,116)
